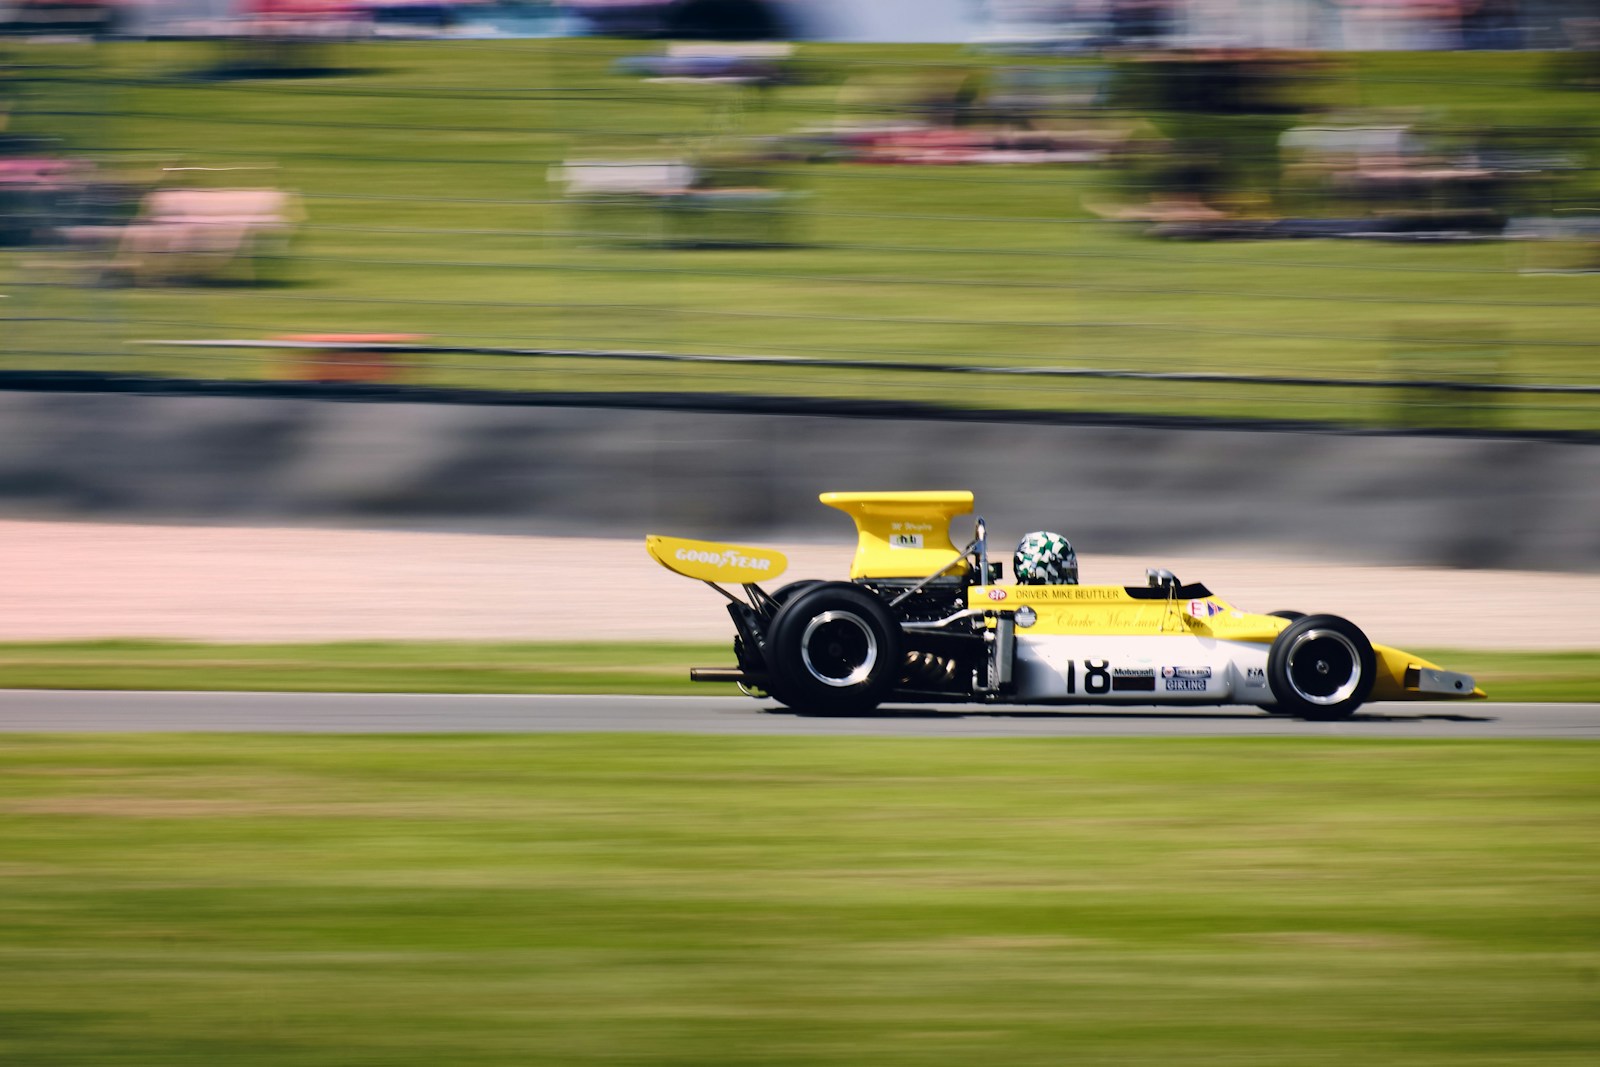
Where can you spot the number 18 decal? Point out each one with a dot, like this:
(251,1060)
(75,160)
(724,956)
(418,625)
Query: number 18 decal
(1096,676)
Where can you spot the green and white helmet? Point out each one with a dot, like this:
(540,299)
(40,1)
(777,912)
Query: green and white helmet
(1045,558)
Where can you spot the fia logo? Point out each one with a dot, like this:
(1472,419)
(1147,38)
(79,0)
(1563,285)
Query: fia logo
(1255,676)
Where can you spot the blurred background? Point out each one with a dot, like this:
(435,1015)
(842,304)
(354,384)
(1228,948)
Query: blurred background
(1171,215)
(1281,294)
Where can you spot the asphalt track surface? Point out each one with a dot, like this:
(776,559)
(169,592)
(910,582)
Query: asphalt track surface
(387,713)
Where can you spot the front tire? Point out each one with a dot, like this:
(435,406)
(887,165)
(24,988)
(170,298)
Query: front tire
(834,650)
(1321,667)
(1274,709)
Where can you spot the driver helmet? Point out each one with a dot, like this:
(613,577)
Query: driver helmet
(1045,558)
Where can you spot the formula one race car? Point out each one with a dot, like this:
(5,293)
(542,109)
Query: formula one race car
(921,620)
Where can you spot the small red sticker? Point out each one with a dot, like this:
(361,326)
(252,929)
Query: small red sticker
(997,594)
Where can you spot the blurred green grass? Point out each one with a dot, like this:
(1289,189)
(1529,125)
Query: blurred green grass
(551,667)
(401,160)
(361,666)
(644,900)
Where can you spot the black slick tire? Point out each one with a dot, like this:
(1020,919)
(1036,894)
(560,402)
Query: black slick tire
(834,649)
(1274,709)
(1321,667)
(785,593)
(780,596)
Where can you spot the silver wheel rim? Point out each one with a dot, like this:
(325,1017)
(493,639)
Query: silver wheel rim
(1317,657)
(838,649)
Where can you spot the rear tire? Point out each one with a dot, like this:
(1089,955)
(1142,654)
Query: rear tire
(785,593)
(1321,667)
(780,596)
(834,649)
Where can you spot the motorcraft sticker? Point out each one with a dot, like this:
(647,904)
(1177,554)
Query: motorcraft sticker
(1133,680)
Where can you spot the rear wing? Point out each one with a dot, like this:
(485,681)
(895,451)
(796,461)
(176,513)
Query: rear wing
(903,535)
(711,561)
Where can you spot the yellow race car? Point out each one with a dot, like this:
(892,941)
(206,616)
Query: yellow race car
(922,620)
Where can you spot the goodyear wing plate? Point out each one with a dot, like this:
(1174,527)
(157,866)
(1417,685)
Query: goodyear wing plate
(711,561)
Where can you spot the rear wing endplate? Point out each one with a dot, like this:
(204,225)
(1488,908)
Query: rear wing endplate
(903,535)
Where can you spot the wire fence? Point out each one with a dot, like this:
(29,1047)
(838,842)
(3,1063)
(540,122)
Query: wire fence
(1369,239)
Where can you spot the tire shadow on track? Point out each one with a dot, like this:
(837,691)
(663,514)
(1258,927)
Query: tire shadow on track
(935,713)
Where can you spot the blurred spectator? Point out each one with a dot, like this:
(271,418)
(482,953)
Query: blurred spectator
(1215,118)
(184,234)
(704,20)
(34,196)
(411,18)
(301,19)
(277,38)
(760,64)
(61,18)
(1141,23)
(724,198)
(1000,115)
(1410,25)
(1491,24)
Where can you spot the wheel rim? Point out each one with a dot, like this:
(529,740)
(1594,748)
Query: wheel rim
(1324,667)
(838,649)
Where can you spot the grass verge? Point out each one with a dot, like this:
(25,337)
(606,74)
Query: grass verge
(649,900)
(425,173)
(543,667)
(367,666)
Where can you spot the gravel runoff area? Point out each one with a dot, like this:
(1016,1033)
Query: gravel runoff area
(89,580)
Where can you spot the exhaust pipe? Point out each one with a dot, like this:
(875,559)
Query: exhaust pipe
(717,674)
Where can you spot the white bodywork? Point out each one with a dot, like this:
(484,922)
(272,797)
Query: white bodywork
(1164,669)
